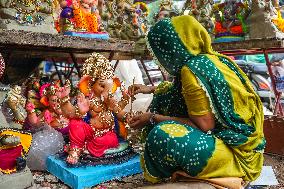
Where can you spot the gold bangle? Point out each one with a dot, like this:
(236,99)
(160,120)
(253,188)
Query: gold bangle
(124,117)
(125,100)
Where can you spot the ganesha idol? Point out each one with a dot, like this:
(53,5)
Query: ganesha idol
(81,18)
(230,17)
(27,15)
(14,142)
(96,126)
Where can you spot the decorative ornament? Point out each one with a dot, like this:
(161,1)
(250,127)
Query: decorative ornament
(2,65)
(97,66)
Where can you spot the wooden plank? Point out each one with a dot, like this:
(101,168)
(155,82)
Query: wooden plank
(53,45)
(23,40)
(249,45)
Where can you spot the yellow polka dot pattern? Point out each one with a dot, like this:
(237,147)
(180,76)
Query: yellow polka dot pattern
(175,130)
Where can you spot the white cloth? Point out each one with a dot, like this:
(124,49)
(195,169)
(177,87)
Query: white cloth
(126,71)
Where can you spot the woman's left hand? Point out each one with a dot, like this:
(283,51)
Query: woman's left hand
(140,121)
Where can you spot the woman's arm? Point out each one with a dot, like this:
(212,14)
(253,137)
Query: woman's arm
(204,123)
(138,88)
(157,118)
(139,121)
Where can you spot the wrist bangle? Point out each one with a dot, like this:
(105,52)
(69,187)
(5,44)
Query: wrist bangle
(124,117)
(152,119)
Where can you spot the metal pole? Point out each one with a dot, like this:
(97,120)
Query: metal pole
(115,65)
(57,71)
(75,64)
(147,73)
(277,106)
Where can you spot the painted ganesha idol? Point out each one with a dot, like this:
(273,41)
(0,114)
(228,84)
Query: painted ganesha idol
(98,136)
(230,17)
(81,18)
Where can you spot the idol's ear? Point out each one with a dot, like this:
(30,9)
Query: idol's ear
(84,85)
(116,84)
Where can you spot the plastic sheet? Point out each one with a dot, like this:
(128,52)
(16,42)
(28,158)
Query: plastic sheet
(46,141)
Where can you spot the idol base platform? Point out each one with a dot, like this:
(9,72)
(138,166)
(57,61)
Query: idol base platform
(88,176)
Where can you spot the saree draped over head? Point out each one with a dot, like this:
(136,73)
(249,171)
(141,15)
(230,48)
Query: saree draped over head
(206,81)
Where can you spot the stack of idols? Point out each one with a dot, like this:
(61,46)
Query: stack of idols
(81,18)
(266,20)
(166,10)
(28,15)
(201,10)
(99,19)
(230,20)
(124,20)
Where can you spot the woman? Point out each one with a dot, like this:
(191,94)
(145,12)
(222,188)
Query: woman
(209,121)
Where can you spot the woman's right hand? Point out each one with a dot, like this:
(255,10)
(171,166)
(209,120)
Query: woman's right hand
(138,88)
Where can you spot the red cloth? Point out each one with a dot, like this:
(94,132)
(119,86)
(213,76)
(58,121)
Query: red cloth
(8,158)
(81,134)
(233,29)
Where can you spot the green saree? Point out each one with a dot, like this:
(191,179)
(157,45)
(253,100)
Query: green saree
(234,147)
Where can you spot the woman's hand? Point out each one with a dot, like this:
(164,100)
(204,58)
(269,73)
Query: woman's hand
(83,103)
(138,88)
(140,121)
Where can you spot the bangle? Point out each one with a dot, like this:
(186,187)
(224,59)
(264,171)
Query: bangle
(77,112)
(152,119)
(124,117)
(110,95)
(67,83)
(65,100)
(125,100)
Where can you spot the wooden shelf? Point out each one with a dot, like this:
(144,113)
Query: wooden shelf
(251,46)
(56,45)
